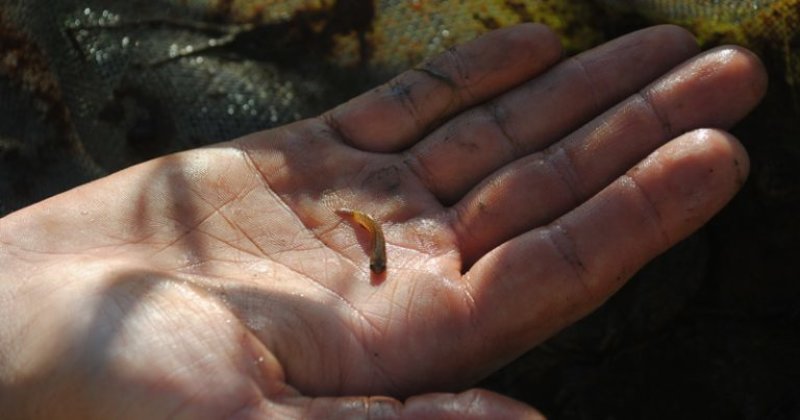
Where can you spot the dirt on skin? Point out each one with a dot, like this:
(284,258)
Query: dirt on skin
(707,330)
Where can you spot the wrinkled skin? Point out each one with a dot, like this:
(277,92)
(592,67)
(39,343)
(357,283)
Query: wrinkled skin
(517,191)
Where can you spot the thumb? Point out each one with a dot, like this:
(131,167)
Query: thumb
(471,404)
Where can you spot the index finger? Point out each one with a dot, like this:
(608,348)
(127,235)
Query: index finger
(394,115)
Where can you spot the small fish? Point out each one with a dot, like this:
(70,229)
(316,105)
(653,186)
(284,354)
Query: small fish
(377,254)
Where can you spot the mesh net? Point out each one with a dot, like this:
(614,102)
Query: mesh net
(87,89)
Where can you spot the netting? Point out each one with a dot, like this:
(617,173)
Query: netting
(87,88)
(91,86)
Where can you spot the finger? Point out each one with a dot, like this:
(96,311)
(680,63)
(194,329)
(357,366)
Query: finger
(537,283)
(462,152)
(715,89)
(471,404)
(396,114)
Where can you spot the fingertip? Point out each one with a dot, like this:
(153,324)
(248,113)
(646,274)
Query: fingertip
(729,80)
(723,151)
(674,37)
(746,66)
(730,149)
(471,404)
(742,64)
(535,38)
(707,148)
(693,176)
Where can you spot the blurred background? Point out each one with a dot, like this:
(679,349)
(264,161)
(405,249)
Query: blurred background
(707,330)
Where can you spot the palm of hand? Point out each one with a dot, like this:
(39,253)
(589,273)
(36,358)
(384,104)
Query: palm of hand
(205,282)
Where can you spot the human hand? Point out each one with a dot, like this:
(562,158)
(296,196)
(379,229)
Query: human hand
(516,195)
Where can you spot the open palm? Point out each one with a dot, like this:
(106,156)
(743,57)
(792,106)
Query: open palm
(515,192)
